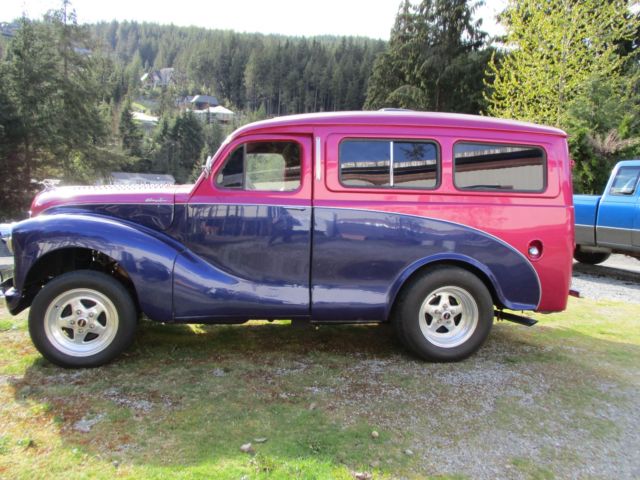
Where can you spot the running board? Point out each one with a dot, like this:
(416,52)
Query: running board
(512,317)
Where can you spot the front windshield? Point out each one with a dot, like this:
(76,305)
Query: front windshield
(209,163)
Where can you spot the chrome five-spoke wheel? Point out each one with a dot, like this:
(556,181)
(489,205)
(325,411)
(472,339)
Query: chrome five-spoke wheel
(444,313)
(448,317)
(81,322)
(82,319)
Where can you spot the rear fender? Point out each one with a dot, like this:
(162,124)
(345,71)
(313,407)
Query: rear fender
(486,274)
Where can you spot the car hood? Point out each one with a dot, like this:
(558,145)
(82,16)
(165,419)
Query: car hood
(149,205)
(106,195)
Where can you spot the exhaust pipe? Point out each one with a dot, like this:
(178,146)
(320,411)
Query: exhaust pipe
(512,317)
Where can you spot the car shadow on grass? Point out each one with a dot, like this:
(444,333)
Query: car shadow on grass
(190,396)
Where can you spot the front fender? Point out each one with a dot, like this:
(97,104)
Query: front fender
(146,255)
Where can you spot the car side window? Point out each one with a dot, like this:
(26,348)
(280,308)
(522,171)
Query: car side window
(495,167)
(382,163)
(626,181)
(262,166)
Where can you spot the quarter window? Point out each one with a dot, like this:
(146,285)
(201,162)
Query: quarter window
(499,167)
(389,164)
(262,166)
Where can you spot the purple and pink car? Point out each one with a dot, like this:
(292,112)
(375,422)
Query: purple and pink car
(436,223)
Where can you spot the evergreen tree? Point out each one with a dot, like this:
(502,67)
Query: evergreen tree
(15,185)
(80,129)
(130,134)
(53,120)
(179,145)
(30,87)
(188,141)
(433,57)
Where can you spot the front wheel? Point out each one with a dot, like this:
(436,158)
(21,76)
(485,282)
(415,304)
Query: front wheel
(445,314)
(82,319)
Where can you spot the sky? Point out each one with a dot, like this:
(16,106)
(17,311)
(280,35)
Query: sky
(367,18)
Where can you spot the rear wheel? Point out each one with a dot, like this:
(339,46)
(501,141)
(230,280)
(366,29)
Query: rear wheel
(445,314)
(591,258)
(82,319)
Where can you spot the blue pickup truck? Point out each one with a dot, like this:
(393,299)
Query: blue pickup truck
(610,223)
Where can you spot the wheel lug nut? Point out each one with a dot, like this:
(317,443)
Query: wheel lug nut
(91,314)
(78,312)
(71,322)
(91,325)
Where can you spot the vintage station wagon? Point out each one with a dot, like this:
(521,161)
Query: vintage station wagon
(434,222)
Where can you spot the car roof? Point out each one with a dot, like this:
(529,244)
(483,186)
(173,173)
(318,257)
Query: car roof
(629,163)
(399,118)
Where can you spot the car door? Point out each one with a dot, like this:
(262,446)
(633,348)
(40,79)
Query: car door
(636,226)
(617,210)
(248,233)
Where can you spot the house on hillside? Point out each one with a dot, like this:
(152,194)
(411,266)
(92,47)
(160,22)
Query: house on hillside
(211,114)
(201,102)
(9,29)
(206,108)
(158,78)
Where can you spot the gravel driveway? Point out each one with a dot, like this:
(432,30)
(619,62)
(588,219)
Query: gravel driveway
(616,279)
(559,400)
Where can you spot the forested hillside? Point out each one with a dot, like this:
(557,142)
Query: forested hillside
(248,71)
(73,101)
(68,93)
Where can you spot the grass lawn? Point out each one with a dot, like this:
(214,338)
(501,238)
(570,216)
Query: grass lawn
(553,401)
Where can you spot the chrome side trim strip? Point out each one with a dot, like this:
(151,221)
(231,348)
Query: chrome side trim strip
(603,227)
(318,158)
(391,163)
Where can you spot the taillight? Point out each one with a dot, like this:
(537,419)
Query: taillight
(535,249)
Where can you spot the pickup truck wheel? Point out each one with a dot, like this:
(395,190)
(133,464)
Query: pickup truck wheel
(591,258)
(82,319)
(444,315)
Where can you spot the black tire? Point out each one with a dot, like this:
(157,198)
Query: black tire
(590,258)
(444,285)
(118,320)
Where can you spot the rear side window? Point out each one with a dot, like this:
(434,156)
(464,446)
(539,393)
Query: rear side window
(397,164)
(262,166)
(626,181)
(499,167)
